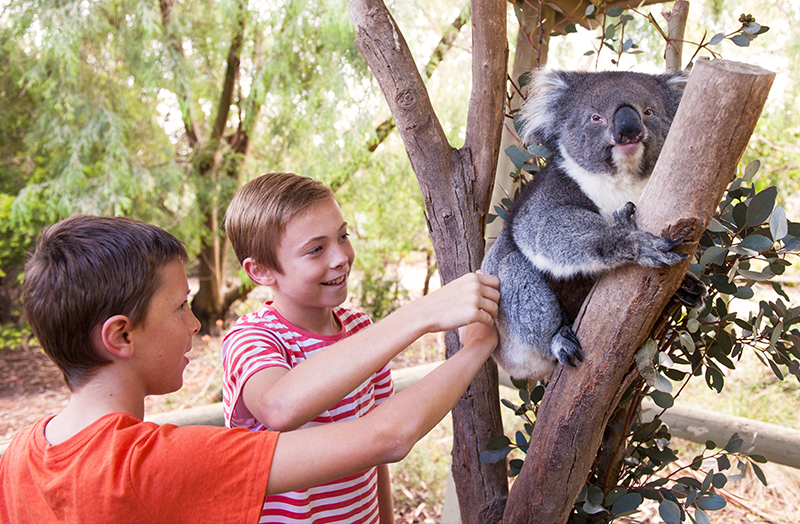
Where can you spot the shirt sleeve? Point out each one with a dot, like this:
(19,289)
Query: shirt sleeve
(246,351)
(202,473)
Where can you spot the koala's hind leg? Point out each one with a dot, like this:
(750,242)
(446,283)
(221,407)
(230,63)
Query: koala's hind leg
(533,328)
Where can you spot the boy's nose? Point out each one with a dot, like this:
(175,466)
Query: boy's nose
(339,257)
(195,323)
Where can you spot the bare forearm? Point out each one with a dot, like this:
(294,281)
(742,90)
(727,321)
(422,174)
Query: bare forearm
(328,376)
(308,457)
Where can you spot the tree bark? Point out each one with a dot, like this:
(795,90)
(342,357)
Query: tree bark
(676,26)
(717,115)
(456,186)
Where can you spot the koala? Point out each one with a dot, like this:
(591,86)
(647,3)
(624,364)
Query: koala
(575,220)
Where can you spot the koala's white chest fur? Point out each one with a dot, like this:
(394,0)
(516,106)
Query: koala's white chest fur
(609,191)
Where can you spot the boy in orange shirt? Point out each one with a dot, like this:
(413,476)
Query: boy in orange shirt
(303,360)
(107,299)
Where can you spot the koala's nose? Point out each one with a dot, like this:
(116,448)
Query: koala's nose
(627,126)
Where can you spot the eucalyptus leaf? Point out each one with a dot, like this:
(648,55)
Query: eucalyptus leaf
(712,502)
(716,39)
(751,170)
(518,156)
(756,243)
(740,40)
(626,504)
(778,225)
(540,151)
(670,512)
(714,255)
(760,207)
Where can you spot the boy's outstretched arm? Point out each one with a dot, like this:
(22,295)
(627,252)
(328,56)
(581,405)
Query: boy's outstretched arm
(312,456)
(284,400)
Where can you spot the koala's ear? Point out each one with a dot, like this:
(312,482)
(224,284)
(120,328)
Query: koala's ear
(676,82)
(540,110)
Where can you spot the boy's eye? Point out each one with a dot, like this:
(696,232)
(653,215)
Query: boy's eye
(344,236)
(315,250)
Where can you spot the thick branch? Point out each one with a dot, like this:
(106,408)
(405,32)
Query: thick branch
(717,115)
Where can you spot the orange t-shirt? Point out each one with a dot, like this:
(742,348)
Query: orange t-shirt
(120,469)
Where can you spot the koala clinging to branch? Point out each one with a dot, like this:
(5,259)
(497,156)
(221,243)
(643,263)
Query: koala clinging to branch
(575,220)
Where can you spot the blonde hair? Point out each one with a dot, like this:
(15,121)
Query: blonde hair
(257,216)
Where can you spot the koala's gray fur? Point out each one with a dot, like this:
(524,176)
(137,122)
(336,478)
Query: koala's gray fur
(575,220)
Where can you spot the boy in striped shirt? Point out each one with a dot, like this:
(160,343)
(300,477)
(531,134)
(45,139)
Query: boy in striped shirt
(291,364)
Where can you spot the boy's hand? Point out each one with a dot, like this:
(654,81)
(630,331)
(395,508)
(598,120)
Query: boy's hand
(470,298)
(479,336)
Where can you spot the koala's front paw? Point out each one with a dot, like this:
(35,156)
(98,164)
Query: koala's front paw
(566,347)
(657,251)
(692,292)
(625,216)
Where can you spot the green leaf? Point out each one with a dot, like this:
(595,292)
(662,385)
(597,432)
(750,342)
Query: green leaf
(525,78)
(712,502)
(757,243)
(716,39)
(626,504)
(751,170)
(715,225)
(714,255)
(760,207)
(740,40)
(662,400)
(719,480)
(700,517)
(493,456)
(614,12)
(570,28)
(778,225)
(734,444)
(670,512)
(610,31)
(498,443)
(714,379)
(744,293)
(518,156)
(540,151)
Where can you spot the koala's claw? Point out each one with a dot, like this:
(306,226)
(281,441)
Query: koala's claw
(566,347)
(692,293)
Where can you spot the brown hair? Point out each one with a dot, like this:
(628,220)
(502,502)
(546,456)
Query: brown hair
(257,216)
(85,270)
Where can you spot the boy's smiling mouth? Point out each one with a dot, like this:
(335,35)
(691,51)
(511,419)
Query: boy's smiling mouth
(335,282)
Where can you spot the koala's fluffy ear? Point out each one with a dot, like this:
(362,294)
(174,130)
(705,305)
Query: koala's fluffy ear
(539,110)
(675,84)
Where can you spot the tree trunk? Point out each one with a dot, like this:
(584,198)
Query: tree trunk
(717,115)
(526,58)
(456,186)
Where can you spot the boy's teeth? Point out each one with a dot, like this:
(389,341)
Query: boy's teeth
(334,282)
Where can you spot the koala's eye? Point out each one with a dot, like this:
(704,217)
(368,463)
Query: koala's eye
(648,112)
(597,119)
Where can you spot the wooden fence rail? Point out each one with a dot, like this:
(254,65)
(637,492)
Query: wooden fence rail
(777,443)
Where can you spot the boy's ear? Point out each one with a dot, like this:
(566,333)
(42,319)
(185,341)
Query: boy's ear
(115,336)
(258,273)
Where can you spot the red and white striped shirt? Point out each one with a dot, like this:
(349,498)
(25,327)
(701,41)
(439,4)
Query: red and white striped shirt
(264,339)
